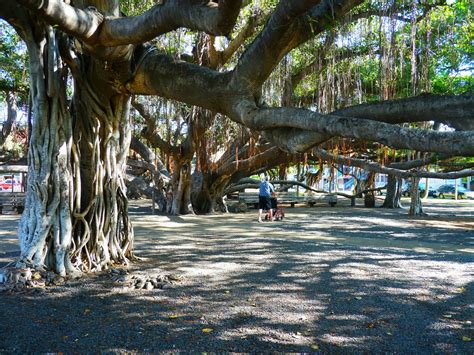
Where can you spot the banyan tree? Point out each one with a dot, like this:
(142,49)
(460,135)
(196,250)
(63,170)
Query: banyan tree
(87,59)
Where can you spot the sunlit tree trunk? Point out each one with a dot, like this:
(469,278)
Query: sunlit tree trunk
(415,205)
(180,188)
(75,216)
(12,112)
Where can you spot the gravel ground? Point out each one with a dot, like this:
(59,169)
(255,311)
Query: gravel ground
(334,280)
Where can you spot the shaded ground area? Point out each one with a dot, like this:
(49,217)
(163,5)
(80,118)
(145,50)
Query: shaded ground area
(338,280)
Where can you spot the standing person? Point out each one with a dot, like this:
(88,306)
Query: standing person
(264,198)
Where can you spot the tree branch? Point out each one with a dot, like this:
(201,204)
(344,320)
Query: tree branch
(455,110)
(148,155)
(219,58)
(151,133)
(93,28)
(277,38)
(456,143)
(364,164)
(253,163)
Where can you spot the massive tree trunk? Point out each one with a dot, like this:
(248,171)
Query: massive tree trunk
(75,216)
(208,192)
(416,208)
(180,188)
(392,199)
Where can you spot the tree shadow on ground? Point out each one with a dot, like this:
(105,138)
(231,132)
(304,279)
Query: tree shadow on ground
(259,295)
(260,292)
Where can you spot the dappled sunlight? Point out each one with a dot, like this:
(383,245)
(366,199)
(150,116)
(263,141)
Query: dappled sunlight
(265,335)
(209,269)
(461,224)
(347,317)
(346,282)
(342,341)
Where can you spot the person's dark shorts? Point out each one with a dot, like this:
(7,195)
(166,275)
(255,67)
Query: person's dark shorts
(264,203)
(274,202)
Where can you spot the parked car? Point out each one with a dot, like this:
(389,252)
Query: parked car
(449,190)
(8,184)
(406,188)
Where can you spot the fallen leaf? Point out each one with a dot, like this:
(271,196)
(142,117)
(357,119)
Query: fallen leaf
(447,316)
(465,338)
(388,333)
(87,311)
(227,291)
(173,316)
(460,289)
(207,330)
(254,305)
(315,346)
(358,298)
(370,325)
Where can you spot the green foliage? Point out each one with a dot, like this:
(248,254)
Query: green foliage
(13,61)
(374,54)
(453,84)
(14,148)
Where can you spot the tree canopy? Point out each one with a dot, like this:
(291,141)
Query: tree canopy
(297,77)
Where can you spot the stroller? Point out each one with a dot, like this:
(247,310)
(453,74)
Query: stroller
(278,212)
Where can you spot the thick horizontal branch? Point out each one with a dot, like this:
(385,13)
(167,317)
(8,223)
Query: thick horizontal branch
(370,166)
(269,157)
(150,158)
(413,164)
(249,183)
(296,129)
(456,143)
(162,75)
(253,184)
(455,110)
(93,28)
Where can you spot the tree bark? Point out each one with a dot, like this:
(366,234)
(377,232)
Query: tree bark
(76,210)
(416,208)
(392,199)
(12,111)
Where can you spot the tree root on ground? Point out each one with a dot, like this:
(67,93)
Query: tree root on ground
(17,279)
(13,278)
(144,281)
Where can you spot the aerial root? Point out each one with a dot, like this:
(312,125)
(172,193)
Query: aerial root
(144,281)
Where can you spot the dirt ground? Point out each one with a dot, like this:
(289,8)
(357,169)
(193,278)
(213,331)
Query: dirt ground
(331,280)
